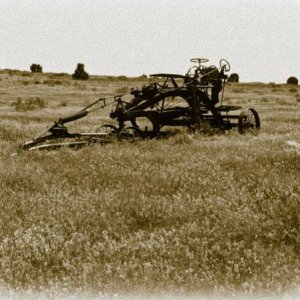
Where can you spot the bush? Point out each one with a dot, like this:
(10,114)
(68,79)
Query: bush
(234,77)
(29,104)
(80,73)
(122,77)
(36,68)
(292,80)
(63,103)
(53,82)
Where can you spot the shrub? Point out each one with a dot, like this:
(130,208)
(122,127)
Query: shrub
(265,99)
(13,72)
(63,103)
(292,80)
(234,77)
(122,77)
(36,68)
(25,82)
(293,90)
(29,104)
(80,73)
(53,82)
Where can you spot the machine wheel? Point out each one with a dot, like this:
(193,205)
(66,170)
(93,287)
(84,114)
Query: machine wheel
(199,60)
(108,129)
(248,121)
(225,64)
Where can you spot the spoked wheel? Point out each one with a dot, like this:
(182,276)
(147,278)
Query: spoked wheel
(199,60)
(225,65)
(131,133)
(108,129)
(249,121)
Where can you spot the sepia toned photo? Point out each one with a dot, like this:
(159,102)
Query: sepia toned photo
(149,149)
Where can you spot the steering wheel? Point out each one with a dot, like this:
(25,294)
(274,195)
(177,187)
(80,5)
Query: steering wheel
(225,65)
(199,60)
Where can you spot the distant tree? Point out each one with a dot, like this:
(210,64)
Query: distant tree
(36,68)
(234,77)
(292,80)
(80,73)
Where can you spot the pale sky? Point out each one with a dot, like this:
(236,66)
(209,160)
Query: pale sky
(260,38)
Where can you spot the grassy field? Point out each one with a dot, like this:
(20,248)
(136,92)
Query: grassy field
(187,214)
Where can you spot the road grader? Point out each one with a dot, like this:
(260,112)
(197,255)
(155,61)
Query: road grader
(193,100)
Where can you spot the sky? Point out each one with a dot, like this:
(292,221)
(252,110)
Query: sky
(259,38)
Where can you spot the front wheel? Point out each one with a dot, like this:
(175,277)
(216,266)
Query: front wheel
(108,129)
(248,121)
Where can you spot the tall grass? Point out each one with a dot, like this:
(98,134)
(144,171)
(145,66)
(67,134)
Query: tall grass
(186,214)
(116,218)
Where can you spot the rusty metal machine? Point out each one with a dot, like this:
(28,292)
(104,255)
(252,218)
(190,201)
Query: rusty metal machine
(193,100)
